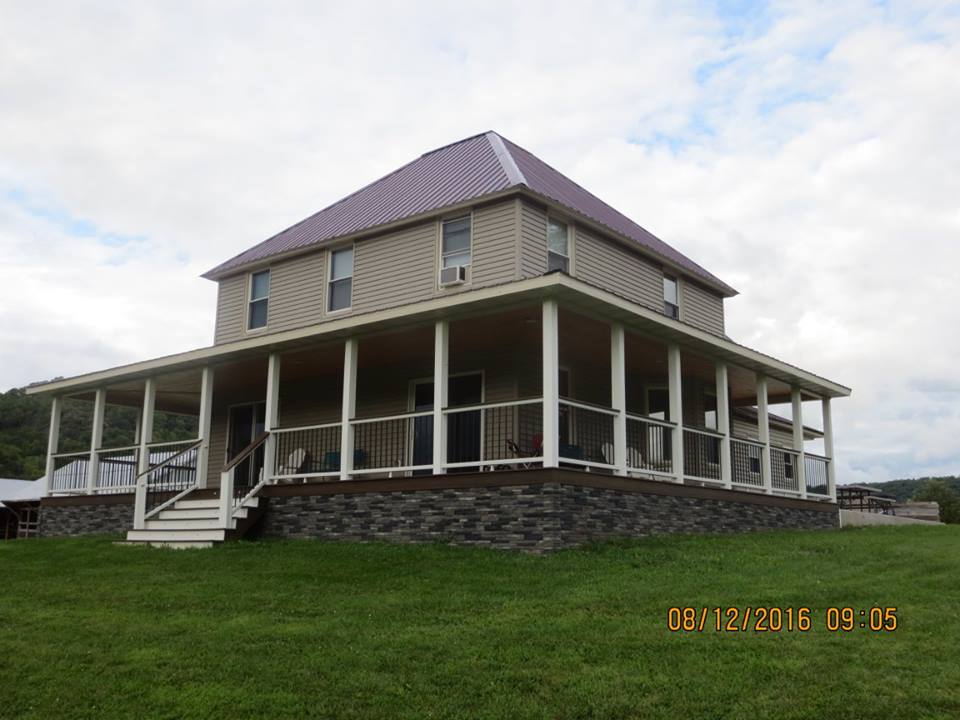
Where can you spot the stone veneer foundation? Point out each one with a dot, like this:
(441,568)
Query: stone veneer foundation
(552,510)
(534,511)
(86,515)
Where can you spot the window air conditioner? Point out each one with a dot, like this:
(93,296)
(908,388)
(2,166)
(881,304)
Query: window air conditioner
(453,275)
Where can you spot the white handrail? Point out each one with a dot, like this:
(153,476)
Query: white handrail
(191,441)
(746,441)
(324,426)
(400,416)
(118,449)
(704,432)
(488,406)
(84,453)
(651,420)
(592,408)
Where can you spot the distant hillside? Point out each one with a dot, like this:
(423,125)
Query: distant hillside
(25,419)
(905,489)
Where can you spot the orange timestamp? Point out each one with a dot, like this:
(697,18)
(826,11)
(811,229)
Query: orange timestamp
(766,619)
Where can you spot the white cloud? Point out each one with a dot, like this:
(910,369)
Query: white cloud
(805,154)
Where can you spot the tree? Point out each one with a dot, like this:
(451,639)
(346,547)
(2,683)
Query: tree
(24,421)
(941,493)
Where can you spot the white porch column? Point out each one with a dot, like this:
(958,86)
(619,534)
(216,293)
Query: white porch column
(723,424)
(801,469)
(828,449)
(349,407)
(551,384)
(203,425)
(96,440)
(618,385)
(143,452)
(763,434)
(53,443)
(441,375)
(675,387)
(136,426)
(271,415)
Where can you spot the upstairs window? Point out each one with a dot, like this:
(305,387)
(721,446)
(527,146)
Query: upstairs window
(671,300)
(259,298)
(455,249)
(558,242)
(341,279)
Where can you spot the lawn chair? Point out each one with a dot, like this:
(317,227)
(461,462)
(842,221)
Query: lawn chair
(298,461)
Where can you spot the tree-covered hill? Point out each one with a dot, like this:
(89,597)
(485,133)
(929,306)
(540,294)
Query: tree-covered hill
(25,419)
(906,489)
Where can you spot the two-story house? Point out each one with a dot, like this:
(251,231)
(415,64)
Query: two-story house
(473,348)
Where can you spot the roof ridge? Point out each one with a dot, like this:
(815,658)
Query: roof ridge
(507,161)
(455,142)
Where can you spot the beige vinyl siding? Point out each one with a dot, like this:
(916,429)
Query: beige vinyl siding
(231,308)
(296,292)
(607,265)
(395,269)
(747,429)
(494,245)
(701,308)
(533,240)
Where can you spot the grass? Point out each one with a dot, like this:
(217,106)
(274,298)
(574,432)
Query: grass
(299,629)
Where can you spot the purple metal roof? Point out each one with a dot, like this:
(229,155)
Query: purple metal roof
(466,170)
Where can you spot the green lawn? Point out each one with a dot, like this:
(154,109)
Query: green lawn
(89,629)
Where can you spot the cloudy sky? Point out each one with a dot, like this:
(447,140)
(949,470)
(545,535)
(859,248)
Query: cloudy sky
(808,154)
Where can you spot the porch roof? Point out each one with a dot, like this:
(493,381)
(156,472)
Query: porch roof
(579,295)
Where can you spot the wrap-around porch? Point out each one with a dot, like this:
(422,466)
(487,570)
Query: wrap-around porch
(538,385)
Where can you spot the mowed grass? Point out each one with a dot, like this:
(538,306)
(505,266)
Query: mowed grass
(303,629)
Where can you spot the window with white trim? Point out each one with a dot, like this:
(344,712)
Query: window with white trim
(259,299)
(455,246)
(558,246)
(671,297)
(341,279)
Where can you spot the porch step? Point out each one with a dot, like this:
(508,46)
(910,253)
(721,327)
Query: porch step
(177,536)
(188,524)
(179,513)
(201,504)
(208,503)
(194,522)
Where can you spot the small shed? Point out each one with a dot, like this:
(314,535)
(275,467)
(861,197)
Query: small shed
(19,508)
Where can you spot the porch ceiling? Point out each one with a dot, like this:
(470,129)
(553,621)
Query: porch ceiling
(178,375)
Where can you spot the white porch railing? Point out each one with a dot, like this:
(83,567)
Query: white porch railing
(304,453)
(784,473)
(586,435)
(70,473)
(495,435)
(236,489)
(649,449)
(817,469)
(701,454)
(393,444)
(746,459)
(171,474)
(117,470)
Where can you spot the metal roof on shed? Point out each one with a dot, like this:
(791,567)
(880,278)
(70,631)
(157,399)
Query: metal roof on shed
(467,170)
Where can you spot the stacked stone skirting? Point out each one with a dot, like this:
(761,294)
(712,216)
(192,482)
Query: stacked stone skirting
(534,510)
(69,517)
(565,509)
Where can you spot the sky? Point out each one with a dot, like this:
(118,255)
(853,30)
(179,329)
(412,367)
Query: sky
(806,153)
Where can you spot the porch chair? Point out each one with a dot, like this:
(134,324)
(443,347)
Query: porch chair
(298,461)
(517,453)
